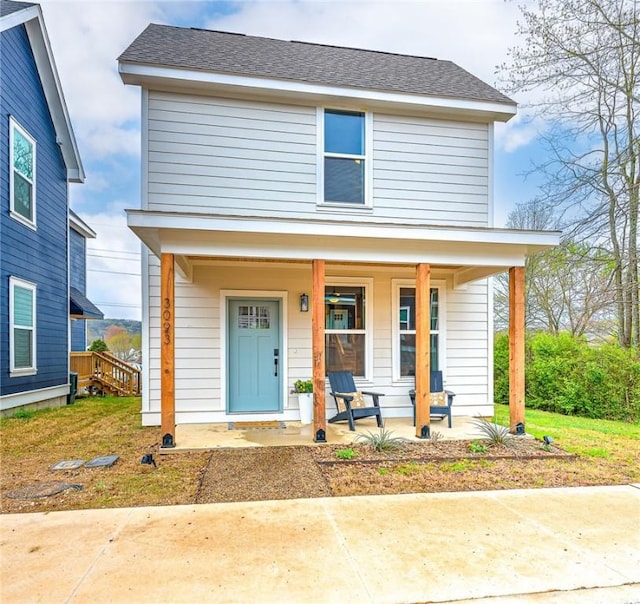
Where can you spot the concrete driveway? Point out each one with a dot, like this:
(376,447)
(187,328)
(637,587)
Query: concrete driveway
(549,545)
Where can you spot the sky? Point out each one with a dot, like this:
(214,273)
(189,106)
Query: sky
(87,36)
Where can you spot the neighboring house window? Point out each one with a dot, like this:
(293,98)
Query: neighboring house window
(22,161)
(22,328)
(345,312)
(405,329)
(345,166)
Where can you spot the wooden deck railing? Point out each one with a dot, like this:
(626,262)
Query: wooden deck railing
(105,372)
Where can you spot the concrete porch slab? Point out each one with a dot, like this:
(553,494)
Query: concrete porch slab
(191,437)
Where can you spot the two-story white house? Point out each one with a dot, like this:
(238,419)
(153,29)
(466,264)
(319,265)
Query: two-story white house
(308,208)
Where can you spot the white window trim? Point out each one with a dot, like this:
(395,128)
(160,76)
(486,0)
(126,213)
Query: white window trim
(368,161)
(21,371)
(396,285)
(14,125)
(367,283)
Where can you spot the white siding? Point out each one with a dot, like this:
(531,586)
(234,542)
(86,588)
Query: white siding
(198,339)
(256,158)
(432,171)
(224,156)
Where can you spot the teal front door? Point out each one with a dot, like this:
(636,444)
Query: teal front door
(254,356)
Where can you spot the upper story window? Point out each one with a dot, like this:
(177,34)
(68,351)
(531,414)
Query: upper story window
(345,166)
(22,328)
(22,174)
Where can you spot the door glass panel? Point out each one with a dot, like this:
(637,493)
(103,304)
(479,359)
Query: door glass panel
(254,317)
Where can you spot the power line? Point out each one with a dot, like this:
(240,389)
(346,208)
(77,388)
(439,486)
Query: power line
(102,270)
(98,249)
(118,304)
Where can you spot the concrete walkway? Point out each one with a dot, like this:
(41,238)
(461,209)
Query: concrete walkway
(551,545)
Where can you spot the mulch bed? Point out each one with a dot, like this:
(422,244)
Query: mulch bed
(264,473)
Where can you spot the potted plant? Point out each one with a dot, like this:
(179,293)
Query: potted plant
(304,390)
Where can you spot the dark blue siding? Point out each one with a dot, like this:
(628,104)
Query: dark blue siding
(78,334)
(37,256)
(77,261)
(78,279)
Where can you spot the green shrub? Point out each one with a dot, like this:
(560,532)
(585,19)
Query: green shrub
(566,375)
(346,453)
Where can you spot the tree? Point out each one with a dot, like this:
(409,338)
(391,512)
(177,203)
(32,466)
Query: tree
(120,345)
(98,346)
(566,288)
(582,60)
(113,330)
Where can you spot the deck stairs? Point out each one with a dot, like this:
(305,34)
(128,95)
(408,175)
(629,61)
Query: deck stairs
(104,373)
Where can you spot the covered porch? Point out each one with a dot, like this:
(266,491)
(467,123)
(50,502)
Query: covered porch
(187,246)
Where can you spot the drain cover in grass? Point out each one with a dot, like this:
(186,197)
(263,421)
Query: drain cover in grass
(104,461)
(42,489)
(68,464)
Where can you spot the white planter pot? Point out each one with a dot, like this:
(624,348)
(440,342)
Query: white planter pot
(305,403)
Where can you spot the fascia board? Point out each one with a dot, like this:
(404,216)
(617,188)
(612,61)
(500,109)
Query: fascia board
(336,249)
(141,75)
(41,47)
(80,226)
(19,17)
(179,222)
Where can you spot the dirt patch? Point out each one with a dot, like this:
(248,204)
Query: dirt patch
(261,473)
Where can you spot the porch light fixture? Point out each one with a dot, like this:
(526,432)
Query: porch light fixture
(304,303)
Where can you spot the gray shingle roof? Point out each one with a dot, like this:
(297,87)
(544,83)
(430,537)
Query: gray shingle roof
(7,7)
(238,54)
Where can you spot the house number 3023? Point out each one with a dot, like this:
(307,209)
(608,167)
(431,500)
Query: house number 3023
(166,320)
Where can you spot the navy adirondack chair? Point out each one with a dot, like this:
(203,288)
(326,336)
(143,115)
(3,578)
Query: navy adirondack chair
(350,401)
(441,399)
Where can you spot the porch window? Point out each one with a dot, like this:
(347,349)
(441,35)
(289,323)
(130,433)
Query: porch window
(22,328)
(345,329)
(344,164)
(22,168)
(406,329)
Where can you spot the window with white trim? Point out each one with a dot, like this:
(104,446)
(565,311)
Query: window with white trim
(344,162)
(346,341)
(405,330)
(22,174)
(22,326)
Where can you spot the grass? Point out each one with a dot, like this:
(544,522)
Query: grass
(32,442)
(580,435)
(607,453)
(600,444)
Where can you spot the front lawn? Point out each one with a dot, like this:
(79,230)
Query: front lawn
(606,452)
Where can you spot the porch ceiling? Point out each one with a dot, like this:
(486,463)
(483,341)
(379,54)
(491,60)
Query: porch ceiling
(472,253)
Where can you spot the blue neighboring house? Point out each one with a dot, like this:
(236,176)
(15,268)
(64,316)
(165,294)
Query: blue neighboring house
(81,308)
(38,159)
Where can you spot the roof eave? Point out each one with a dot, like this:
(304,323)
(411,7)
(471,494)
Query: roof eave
(163,77)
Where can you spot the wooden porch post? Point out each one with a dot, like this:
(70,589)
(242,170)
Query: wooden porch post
(516,346)
(167,352)
(317,349)
(423,349)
